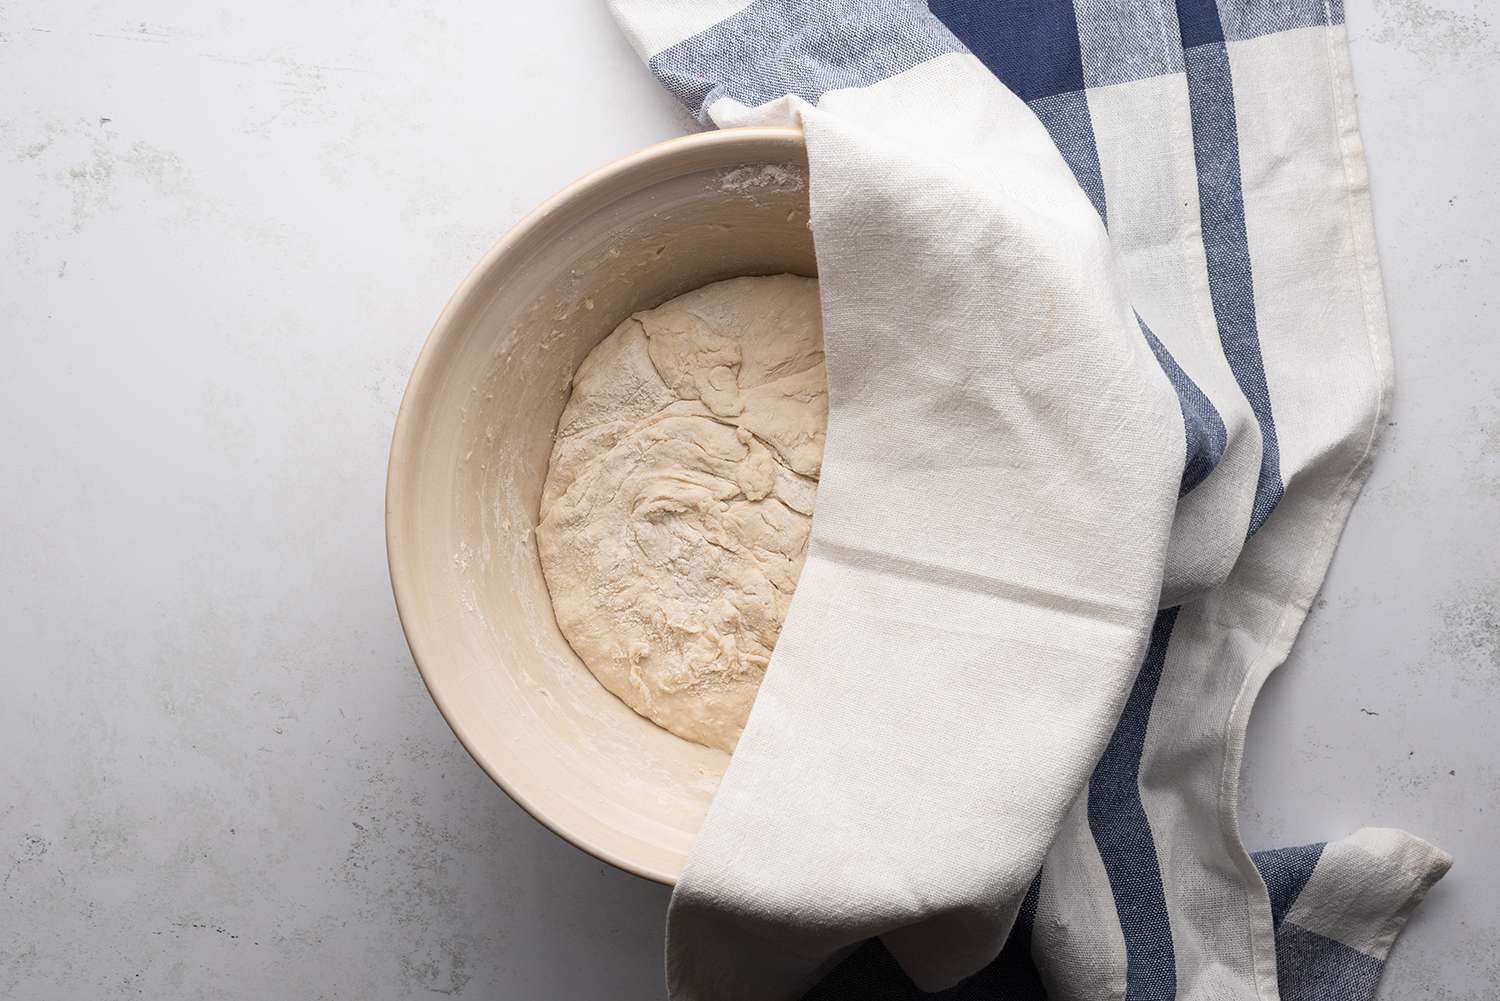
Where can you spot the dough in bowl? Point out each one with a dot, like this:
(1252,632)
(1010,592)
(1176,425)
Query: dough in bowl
(676,511)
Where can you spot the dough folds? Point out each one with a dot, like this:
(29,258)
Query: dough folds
(676,510)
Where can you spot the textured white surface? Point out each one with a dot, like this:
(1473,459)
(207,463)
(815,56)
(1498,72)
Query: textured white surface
(224,232)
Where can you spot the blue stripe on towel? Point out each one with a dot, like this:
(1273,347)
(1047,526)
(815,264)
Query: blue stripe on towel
(1286,871)
(1309,966)
(1032,46)
(1127,40)
(1203,428)
(1267,17)
(1198,22)
(1067,120)
(1225,237)
(1122,832)
(1312,967)
(805,47)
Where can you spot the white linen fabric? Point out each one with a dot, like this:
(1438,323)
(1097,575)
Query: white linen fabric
(1107,359)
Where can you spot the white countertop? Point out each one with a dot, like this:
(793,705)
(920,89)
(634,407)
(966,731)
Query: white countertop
(224,231)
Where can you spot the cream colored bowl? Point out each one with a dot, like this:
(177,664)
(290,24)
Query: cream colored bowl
(470,453)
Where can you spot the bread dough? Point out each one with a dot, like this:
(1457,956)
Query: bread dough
(676,511)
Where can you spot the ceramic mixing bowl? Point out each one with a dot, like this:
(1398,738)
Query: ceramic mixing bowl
(470,454)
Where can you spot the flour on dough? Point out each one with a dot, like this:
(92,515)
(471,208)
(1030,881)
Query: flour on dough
(676,511)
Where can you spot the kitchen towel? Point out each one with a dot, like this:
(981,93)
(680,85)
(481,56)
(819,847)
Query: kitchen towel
(1107,360)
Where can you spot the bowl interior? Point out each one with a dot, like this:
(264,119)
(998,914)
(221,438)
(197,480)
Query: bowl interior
(470,454)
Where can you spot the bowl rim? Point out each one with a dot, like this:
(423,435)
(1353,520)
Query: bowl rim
(418,396)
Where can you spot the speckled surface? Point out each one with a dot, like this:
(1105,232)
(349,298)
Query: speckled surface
(225,232)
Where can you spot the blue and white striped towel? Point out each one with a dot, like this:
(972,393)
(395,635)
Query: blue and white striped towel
(1107,360)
